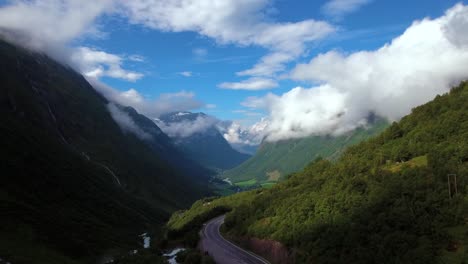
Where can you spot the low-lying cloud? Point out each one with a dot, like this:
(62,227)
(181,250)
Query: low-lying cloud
(235,133)
(427,59)
(187,128)
(165,103)
(97,63)
(126,123)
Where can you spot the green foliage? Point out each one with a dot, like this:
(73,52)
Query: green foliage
(274,160)
(384,201)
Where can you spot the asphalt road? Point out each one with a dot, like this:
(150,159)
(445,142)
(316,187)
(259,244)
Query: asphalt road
(223,251)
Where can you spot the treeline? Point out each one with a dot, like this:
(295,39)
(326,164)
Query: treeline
(385,200)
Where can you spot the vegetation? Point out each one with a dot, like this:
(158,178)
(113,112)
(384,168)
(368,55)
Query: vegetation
(274,160)
(386,200)
(248,183)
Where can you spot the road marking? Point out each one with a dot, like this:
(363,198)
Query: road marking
(241,249)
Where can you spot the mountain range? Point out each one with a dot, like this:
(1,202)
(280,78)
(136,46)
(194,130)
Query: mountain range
(197,136)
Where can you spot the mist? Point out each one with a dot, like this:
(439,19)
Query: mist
(126,123)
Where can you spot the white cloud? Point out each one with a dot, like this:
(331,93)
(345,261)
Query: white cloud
(96,63)
(165,103)
(426,60)
(252,84)
(338,8)
(210,106)
(50,25)
(287,42)
(186,73)
(241,22)
(200,52)
(126,123)
(235,133)
(47,24)
(136,58)
(187,128)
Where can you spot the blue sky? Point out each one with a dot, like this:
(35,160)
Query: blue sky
(167,54)
(279,69)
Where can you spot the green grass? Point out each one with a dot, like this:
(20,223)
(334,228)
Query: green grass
(268,185)
(248,183)
(420,161)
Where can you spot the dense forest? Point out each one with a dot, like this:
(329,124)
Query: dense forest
(401,197)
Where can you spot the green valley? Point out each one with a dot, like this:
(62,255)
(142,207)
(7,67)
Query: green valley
(385,200)
(275,160)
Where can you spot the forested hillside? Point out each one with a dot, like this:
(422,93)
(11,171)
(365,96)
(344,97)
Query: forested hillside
(386,200)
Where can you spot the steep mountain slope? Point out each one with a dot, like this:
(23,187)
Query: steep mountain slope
(205,145)
(386,200)
(162,144)
(73,183)
(274,160)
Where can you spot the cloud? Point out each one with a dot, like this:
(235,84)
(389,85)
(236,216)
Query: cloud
(237,134)
(253,84)
(200,52)
(187,128)
(426,60)
(240,22)
(210,106)
(136,58)
(286,42)
(186,73)
(165,103)
(51,25)
(47,24)
(243,23)
(339,8)
(126,123)
(96,63)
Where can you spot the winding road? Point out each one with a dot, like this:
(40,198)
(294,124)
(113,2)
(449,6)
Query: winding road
(223,251)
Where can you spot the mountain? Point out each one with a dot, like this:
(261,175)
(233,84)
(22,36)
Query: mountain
(197,136)
(274,160)
(75,184)
(163,145)
(400,197)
